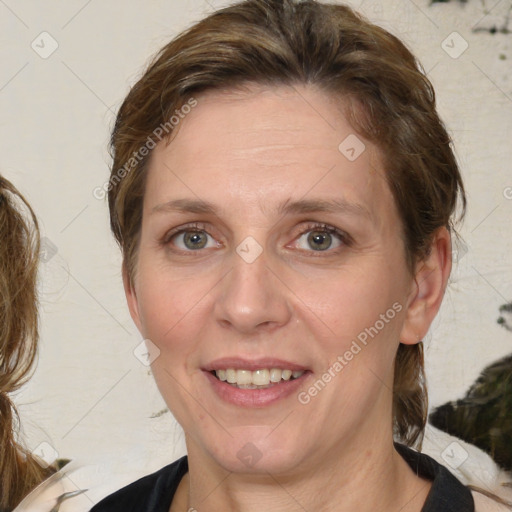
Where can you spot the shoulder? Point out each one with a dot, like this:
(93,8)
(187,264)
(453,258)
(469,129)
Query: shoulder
(485,504)
(150,493)
(447,493)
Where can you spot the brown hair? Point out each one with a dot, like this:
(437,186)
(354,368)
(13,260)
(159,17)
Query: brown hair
(19,256)
(388,100)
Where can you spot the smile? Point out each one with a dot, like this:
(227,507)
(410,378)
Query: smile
(258,379)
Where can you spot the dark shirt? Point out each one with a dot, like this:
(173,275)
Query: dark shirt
(154,493)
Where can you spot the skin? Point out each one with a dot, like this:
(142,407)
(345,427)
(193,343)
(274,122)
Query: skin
(248,152)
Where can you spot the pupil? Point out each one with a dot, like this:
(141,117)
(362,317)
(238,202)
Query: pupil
(319,240)
(195,240)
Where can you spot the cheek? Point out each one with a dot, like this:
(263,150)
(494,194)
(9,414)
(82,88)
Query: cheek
(173,313)
(362,318)
(171,307)
(355,300)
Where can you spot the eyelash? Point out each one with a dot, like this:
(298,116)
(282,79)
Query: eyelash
(343,237)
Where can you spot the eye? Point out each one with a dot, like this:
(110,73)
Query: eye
(192,240)
(321,239)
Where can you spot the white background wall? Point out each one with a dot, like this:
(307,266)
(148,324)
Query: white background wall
(90,397)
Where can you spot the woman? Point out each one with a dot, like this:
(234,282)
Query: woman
(282,191)
(19,256)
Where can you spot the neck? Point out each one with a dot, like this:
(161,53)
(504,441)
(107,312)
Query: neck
(373,478)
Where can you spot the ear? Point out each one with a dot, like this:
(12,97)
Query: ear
(427,291)
(131,298)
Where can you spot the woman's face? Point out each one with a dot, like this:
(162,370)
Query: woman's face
(271,244)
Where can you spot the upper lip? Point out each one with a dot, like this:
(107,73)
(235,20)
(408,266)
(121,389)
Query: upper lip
(252,364)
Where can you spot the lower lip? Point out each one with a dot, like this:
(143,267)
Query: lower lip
(255,397)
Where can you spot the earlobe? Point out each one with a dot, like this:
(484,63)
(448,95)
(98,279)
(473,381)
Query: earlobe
(131,298)
(427,291)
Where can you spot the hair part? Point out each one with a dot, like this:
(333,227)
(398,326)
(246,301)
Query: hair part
(389,101)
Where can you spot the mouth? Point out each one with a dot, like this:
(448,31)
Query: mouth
(262,378)
(250,383)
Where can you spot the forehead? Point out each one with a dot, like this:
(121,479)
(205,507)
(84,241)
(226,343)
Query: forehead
(262,145)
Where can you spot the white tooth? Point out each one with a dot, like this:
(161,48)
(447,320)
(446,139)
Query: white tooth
(261,377)
(275,375)
(243,377)
(287,374)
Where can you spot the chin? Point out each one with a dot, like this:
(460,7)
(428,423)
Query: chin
(251,460)
(257,450)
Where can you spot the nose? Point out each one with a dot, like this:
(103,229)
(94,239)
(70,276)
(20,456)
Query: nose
(252,297)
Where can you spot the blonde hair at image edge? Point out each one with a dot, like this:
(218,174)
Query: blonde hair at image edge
(19,256)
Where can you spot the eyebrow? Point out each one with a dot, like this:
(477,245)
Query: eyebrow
(301,206)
